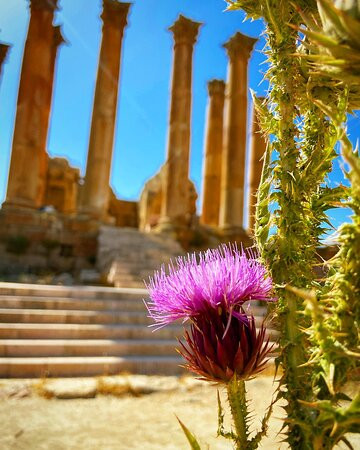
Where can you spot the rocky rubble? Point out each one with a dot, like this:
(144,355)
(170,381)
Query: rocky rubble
(118,385)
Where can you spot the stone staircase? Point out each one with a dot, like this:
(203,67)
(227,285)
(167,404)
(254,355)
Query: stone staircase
(56,331)
(126,256)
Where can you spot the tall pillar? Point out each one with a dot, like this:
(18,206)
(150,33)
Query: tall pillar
(213,154)
(96,189)
(175,195)
(57,40)
(4,48)
(238,48)
(258,147)
(33,108)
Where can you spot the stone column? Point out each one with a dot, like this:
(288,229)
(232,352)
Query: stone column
(213,154)
(258,147)
(43,157)
(175,192)
(4,48)
(33,108)
(96,189)
(238,48)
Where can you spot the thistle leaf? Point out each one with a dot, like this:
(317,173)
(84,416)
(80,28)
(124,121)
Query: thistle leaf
(255,441)
(194,444)
(221,414)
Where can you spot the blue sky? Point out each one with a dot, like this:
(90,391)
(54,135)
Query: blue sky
(141,131)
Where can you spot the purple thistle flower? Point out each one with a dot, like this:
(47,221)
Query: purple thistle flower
(217,350)
(221,278)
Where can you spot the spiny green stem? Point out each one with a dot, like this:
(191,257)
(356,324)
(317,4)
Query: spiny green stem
(237,400)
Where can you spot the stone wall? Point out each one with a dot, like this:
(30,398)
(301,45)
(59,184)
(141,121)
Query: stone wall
(62,185)
(42,242)
(151,200)
(126,256)
(125,213)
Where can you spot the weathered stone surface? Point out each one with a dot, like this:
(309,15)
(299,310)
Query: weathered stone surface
(53,242)
(233,164)
(126,257)
(50,5)
(27,175)
(96,192)
(62,183)
(137,384)
(4,49)
(64,279)
(15,389)
(124,212)
(176,168)
(69,389)
(59,331)
(151,200)
(85,387)
(89,276)
(213,154)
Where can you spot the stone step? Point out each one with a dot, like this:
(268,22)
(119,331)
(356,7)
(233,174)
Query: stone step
(127,276)
(128,267)
(95,292)
(95,331)
(79,317)
(28,348)
(131,236)
(81,331)
(73,316)
(124,253)
(96,365)
(128,284)
(71,366)
(29,302)
(84,330)
(134,267)
(86,347)
(135,304)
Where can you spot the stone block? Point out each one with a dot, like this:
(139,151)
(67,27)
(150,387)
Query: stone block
(69,389)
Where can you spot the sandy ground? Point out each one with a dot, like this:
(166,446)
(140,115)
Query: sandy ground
(146,422)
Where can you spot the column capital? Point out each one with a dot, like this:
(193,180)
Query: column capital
(216,87)
(50,5)
(239,45)
(4,48)
(58,38)
(115,12)
(185,30)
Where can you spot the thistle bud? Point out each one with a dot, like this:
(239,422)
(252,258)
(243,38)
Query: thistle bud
(219,347)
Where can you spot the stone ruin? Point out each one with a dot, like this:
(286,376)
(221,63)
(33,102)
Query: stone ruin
(52,218)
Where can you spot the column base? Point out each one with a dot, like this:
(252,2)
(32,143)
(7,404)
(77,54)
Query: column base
(235,234)
(176,229)
(13,217)
(19,203)
(97,216)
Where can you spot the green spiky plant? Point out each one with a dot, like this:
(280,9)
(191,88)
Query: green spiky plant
(313,82)
(334,57)
(335,317)
(334,44)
